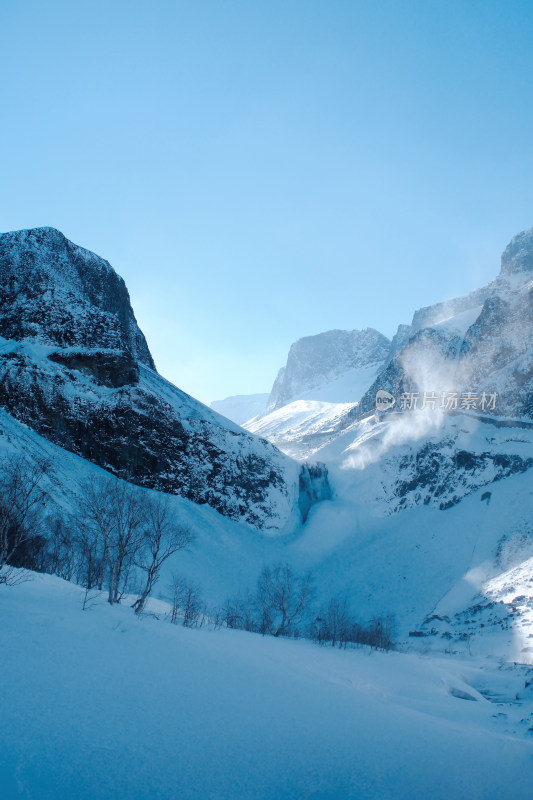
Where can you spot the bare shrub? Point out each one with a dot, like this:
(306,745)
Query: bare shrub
(187,603)
(283,600)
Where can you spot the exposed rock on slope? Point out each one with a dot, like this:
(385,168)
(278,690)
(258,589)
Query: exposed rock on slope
(518,255)
(482,342)
(317,360)
(75,367)
(55,292)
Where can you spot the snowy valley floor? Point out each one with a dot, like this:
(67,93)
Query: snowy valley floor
(97,704)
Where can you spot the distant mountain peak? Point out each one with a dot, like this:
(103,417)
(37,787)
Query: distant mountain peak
(518,255)
(316,360)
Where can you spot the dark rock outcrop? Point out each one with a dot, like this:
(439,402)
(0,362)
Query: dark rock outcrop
(112,368)
(55,292)
(442,475)
(77,369)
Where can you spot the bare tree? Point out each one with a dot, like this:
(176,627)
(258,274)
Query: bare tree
(96,525)
(381,632)
(192,606)
(283,600)
(240,612)
(334,624)
(90,564)
(186,599)
(22,500)
(176,587)
(162,537)
(128,511)
(113,516)
(61,557)
(90,598)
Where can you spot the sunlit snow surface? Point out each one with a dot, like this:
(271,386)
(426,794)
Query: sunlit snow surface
(314,418)
(97,704)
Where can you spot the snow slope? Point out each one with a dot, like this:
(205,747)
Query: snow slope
(302,426)
(227,554)
(385,562)
(241,407)
(397,545)
(99,705)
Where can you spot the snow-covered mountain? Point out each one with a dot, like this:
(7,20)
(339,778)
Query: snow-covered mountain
(438,486)
(317,391)
(321,372)
(75,367)
(472,355)
(315,362)
(479,343)
(463,385)
(430,510)
(240,408)
(305,424)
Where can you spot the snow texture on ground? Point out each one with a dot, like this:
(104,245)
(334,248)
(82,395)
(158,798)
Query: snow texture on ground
(97,704)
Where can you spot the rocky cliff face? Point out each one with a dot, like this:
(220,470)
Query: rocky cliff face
(480,343)
(468,357)
(75,367)
(317,360)
(55,292)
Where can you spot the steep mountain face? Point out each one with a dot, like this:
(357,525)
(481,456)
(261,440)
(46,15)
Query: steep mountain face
(60,294)
(315,361)
(75,367)
(480,344)
(517,257)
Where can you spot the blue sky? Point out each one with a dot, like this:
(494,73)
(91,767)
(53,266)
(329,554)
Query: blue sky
(261,171)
